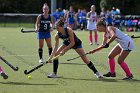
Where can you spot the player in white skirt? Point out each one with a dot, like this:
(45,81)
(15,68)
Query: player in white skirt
(91,25)
(123,48)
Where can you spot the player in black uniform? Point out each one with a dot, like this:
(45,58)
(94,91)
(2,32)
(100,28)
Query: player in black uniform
(43,28)
(70,41)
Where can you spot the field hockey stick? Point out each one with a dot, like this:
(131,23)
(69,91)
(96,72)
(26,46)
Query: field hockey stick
(135,36)
(26,31)
(10,65)
(39,66)
(77,57)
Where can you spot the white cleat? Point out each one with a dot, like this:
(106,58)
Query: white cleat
(97,44)
(98,75)
(40,61)
(53,75)
(91,43)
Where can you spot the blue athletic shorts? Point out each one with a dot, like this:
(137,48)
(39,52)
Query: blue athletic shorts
(43,35)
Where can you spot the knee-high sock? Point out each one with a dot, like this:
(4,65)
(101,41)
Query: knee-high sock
(90,38)
(96,38)
(112,65)
(125,68)
(50,51)
(1,70)
(40,52)
(92,67)
(55,66)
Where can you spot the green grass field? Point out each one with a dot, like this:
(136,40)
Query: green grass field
(22,50)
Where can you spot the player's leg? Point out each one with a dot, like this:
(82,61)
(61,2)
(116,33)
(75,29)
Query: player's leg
(49,44)
(40,50)
(3,74)
(96,36)
(124,65)
(114,52)
(80,51)
(56,63)
(90,37)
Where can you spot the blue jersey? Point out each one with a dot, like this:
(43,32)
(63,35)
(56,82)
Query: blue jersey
(71,18)
(44,23)
(71,15)
(66,39)
(82,17)
(57,15)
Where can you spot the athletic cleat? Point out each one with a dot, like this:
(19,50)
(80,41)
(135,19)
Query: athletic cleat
(4,75)
(91,43)
(97,44)
(53,75)
(40,61)
(128,77)
(110,74)
(98,75)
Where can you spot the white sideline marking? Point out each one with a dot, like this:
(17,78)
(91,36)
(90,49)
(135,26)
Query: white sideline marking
(66,54)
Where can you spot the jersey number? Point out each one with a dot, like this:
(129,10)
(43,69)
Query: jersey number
(45,26)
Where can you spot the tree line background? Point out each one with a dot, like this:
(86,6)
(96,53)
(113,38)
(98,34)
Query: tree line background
(34,6)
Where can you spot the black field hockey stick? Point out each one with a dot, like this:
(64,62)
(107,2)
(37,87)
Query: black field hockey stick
(26,31)
(38,66)
(135,36)
(9,64)
(77,57)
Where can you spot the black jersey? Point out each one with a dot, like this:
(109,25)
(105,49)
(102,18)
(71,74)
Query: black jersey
(44,23)
(66,39)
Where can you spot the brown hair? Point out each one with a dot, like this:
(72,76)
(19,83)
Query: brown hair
(45,4)
(101,22)
(60,22)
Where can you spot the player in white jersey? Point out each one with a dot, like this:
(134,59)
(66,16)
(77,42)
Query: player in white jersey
(123,48)
(91,25)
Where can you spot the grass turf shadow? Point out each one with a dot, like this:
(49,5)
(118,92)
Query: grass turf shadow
(23,83)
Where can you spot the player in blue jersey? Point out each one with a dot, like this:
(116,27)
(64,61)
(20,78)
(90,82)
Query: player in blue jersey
(82,19)
(70,18)
(70,41)
(42,28)
(58,14)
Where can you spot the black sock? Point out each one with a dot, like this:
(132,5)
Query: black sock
(92,67)
(40,52)
(50,51)
(55,66)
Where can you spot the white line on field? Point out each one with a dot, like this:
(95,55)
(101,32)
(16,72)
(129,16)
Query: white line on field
(66,54)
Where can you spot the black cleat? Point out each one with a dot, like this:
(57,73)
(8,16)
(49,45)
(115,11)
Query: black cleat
(110,74)
(4,75)
(128,77)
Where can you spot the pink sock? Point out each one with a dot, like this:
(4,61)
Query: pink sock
(112,65)
(125,68)
(90,38)
(96,38)
(1,70)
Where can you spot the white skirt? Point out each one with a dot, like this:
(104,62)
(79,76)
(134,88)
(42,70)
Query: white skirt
(127,44)
(91,25)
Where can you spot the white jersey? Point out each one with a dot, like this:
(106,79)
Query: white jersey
(91,23)
(125,42)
